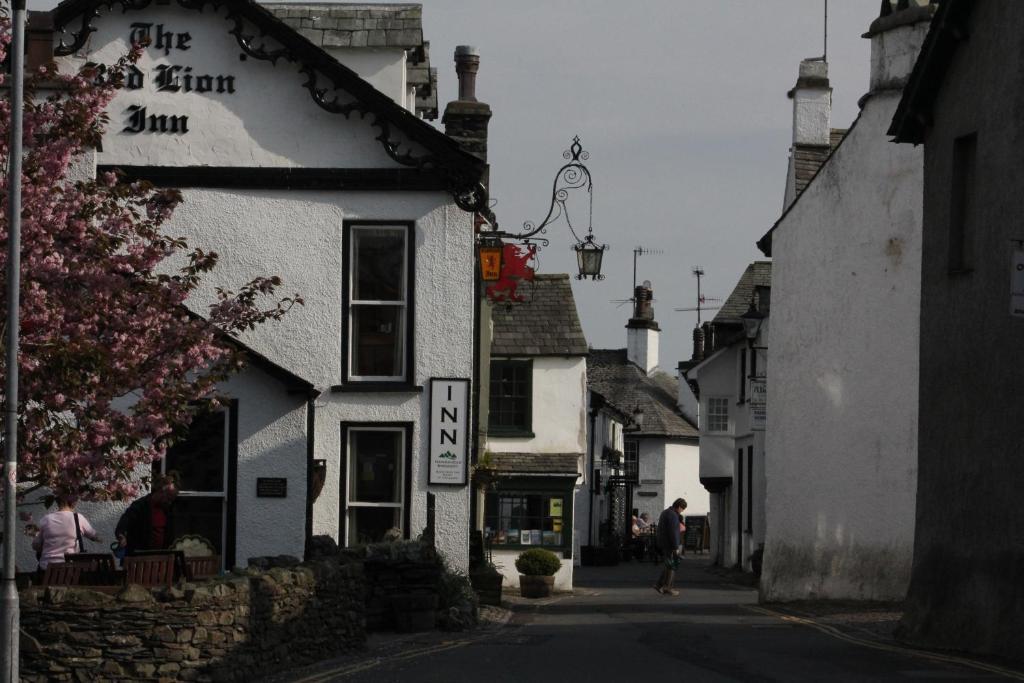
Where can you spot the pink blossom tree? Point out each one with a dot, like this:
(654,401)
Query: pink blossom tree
(111,362)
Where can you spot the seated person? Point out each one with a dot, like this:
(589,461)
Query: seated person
(644,523)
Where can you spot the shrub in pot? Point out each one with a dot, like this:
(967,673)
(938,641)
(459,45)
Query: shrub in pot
(537,568)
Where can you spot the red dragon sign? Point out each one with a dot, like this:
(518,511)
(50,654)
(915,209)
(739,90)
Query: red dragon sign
(515,267)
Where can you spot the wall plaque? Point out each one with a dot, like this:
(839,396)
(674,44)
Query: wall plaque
(271,487)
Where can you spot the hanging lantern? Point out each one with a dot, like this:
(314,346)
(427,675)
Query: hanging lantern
(490,259)
(588,257)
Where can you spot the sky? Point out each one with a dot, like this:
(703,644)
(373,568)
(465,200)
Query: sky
(682,106)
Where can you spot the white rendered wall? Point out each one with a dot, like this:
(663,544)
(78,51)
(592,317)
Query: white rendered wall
(270,119)
(843,374)
(271,443)
(381,67)
(642,347)
(505,562)
(682,478)
(559,415)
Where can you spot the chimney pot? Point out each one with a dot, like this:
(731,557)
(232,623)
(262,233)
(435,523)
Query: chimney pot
(467,64)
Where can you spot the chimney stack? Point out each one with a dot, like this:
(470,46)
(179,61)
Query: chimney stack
(896,38)
(812,125)
(465,119)
(642,331)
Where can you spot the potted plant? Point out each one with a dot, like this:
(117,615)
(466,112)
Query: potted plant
(537,568)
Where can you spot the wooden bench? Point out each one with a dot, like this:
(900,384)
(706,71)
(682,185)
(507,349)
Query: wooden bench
(150,570)
(62,574)
(202,567)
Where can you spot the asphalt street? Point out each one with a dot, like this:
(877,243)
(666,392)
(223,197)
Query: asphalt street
(617,628)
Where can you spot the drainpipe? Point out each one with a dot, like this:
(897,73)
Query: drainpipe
(590,478)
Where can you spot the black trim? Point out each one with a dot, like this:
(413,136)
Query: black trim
(410,306)
(511,484)
(511,431)
(716,484)
(250,25)
(376,387)
(739,509)
(750,489)
(469,433)
(310,452)
(279,178)
(231,515)
(343,475)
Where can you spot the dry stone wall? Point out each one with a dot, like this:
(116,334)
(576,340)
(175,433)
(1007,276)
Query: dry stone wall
(235,628)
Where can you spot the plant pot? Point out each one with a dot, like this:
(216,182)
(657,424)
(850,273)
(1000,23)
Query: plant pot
(487,586)
(535,586)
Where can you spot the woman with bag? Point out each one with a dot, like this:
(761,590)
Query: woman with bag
(61,532)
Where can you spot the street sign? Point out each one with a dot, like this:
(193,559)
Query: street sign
(1017,281)
(758,404)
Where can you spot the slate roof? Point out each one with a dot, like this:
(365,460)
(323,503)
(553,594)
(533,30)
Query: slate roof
(547,324)
(757,274)
(807,159)
(334,25)
(624,385)
(537,463)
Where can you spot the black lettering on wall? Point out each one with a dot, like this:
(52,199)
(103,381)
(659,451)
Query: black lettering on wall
(135,79)
(204,83)
(136,119)
(167,77)
(139,120)
(226,84)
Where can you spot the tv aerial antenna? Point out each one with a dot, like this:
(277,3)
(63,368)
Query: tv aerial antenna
(702,301)
(638,251)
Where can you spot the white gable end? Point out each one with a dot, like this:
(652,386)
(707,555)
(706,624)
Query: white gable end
(197,99)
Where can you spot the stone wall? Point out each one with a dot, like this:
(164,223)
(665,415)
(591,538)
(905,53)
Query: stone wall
(234,628)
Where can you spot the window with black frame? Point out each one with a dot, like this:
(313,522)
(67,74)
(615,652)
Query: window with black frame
(521,519)
(510,397)
(378,297)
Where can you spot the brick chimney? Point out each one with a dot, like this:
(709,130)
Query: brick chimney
(465,119)
(896,37)
(812,125)
(642,331)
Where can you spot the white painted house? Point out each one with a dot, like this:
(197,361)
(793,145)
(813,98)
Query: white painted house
(729,369)
(660,455)
(536,430)
(295,134)
(841,451)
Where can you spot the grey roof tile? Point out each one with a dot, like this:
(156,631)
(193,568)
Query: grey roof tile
(626,387)
(547,324)
(757,274)
(536,463)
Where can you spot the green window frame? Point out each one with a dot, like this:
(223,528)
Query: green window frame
(511,398)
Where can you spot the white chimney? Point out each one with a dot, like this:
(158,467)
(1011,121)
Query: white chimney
(896,38)
(812,124)
(642,331)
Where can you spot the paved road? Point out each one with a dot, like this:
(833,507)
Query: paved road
(616,628)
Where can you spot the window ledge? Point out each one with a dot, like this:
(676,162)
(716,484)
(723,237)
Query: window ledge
(376,387)
(510,434)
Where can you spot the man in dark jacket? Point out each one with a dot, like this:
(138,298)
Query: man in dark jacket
(670,528)
(147,524)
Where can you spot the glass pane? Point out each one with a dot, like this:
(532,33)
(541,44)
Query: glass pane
(199,457)
(377,341)
(200,516)
(375,471)
(378,264)
(368,525)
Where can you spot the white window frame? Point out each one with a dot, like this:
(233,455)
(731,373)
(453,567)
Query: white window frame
(404,337)
(223,493)
(713,416)
(351,505)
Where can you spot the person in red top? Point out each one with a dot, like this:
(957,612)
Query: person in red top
(148,523)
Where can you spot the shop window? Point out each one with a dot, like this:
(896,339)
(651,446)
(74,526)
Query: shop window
(718,415)
(202,459)
(514,519)
(378,302)
(376,490)
(511,397)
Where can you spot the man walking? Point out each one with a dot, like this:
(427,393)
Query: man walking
(670,527)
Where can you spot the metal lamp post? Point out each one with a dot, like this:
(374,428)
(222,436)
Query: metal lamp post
(573,175)
(752,321)
(9,601)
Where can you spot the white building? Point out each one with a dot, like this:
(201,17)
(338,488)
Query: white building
(536,395)
(729,369)
(841,450)
(295,135)
(660,455)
